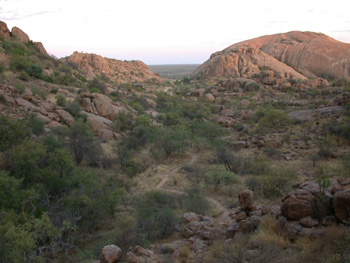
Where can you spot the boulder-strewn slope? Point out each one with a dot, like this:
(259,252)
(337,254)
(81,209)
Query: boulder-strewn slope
(117,70)
(311,54)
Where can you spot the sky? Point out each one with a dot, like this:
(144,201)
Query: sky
(167,31)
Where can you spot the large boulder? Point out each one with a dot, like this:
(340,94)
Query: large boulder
(298,204)
(103,105)
(18,34)
(341,203)
(65,116)
(111,254)
(101,126)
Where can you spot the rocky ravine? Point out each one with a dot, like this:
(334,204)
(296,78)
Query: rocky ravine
(294,53)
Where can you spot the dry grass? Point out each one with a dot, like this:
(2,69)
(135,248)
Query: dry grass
(333,246)
(268,233)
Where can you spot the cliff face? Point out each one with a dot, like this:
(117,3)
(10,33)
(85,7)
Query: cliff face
(311,54)
(117,70)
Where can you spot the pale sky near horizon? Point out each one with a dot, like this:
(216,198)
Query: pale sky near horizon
(167,32)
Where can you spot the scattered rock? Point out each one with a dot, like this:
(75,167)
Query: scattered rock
(268,81)
(308,221)
(209,97)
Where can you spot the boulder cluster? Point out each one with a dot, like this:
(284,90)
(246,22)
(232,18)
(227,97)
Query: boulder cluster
(304,212)
(309,208)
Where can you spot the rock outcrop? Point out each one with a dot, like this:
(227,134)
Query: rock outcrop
(118,71)
(4,31)
(311,54)
(243,61)
(19,35)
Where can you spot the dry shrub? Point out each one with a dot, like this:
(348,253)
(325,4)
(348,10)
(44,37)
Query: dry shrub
(185,251)
(269,233)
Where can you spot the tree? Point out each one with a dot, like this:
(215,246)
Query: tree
(217,174)
(12,132)
(168,141)
(24,161)
(275,119)
(80,139)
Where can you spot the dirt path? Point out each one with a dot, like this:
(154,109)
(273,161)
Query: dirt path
(167,176)
(224,213)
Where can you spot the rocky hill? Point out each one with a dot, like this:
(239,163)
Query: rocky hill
(116,70)
(294,53)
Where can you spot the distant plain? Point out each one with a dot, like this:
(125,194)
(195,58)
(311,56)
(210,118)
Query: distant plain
(174,71)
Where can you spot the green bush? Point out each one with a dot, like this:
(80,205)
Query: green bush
(39,91)
(194,200)
(218,175)
(19,62)
(275,183)
(34,71)
(273,119)
(73,107)
(23,76)
(12,132)
(123,122)
(20,88)
(97,84)
(35,124)
(60,100)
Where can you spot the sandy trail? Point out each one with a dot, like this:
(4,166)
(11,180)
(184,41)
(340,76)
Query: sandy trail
(166,177)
